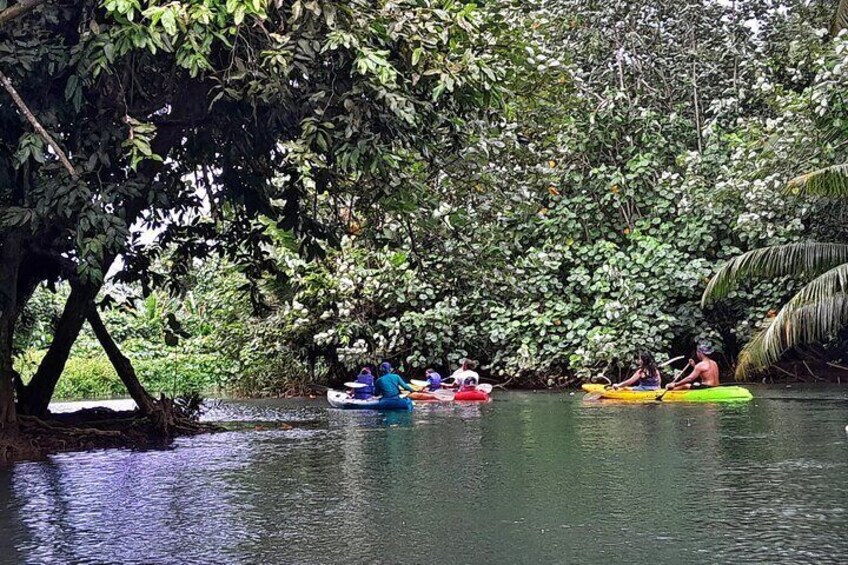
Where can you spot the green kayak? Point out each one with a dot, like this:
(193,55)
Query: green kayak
(711,394)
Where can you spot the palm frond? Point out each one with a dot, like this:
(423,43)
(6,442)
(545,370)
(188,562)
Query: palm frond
(798,259)
(840,18)
(830,181)
(816,312)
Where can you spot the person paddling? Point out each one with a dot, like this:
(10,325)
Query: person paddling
(434,380)
(646,377)
(465,377)
(390,383)
(365,377)
(704,372)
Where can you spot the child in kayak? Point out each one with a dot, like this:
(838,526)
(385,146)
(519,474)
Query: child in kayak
(390,383)
(465,378)
(365,377)
(434,380)
(646,377)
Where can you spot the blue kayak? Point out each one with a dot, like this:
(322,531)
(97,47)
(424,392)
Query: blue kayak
(339,399)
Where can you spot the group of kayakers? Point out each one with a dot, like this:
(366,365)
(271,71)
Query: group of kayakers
(647,377)
(389,383)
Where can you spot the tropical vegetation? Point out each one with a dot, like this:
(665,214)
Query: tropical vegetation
(304,187)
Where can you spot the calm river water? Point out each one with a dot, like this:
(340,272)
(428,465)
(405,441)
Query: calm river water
(528,478)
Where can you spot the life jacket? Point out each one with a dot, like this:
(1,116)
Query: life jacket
(365,392)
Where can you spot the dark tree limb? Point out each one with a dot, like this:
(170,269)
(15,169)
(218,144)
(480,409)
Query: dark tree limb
(19,9)
(39,391)
(119,361)
(19,102)
(10,261)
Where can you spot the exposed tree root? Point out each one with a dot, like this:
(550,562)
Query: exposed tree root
(96,428)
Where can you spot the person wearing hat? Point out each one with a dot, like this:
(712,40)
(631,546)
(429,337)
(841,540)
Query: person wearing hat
(434,380)
(390,383)
(704,372)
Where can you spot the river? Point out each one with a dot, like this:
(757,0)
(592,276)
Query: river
(528,478)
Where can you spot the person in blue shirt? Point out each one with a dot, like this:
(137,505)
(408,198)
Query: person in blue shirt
(390,383)
(365,377)
(434,380)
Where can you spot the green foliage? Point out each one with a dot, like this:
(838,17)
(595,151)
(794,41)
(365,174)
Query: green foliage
(810,124)
(211,125)
(91,375)
(797,259)
(818,311)
(629,171)
(543,186)
(830,181)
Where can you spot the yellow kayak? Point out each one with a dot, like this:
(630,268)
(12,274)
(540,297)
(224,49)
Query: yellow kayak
(709,394)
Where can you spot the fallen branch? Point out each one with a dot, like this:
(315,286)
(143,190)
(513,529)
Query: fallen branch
(7,84)
(810,371)
(837,366)
(72,431)
(786,372)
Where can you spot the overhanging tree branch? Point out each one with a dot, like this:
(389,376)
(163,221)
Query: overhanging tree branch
(19,9)
(19,102)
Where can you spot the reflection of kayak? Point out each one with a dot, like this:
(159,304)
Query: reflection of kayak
(441,396)
(709,394)
(338,399)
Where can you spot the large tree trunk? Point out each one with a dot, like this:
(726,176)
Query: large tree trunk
(37,394)
(10,261)
(39,391)
(122,365)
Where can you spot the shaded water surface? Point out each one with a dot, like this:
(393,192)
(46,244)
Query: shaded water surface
(529,478)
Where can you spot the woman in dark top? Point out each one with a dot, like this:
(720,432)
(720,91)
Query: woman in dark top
(646,377)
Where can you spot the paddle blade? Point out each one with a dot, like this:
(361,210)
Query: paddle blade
(355,385)
(485,387)
(670,361)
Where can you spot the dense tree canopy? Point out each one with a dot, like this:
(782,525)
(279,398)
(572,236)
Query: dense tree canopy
(544,186)
(631,165)
(199,119)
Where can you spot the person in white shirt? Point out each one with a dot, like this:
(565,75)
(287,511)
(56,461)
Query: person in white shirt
(465,378)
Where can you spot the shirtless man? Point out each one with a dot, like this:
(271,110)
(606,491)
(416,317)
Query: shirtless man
(704,372)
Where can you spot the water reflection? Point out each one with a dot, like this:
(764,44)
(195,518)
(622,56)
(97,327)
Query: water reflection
(526,479)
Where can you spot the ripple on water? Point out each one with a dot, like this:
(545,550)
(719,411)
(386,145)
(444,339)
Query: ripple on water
(527,479)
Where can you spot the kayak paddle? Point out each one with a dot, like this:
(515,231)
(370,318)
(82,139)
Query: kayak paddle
(674,380)
(597,396)
(670,361)
(355,385)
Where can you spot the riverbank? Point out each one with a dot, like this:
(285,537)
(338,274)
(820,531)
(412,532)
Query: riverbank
(98,427)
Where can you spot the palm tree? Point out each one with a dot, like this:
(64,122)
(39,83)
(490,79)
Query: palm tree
(840,18)
(820,308)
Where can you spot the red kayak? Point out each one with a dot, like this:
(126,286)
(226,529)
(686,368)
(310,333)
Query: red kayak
(447,396)
(471,395)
